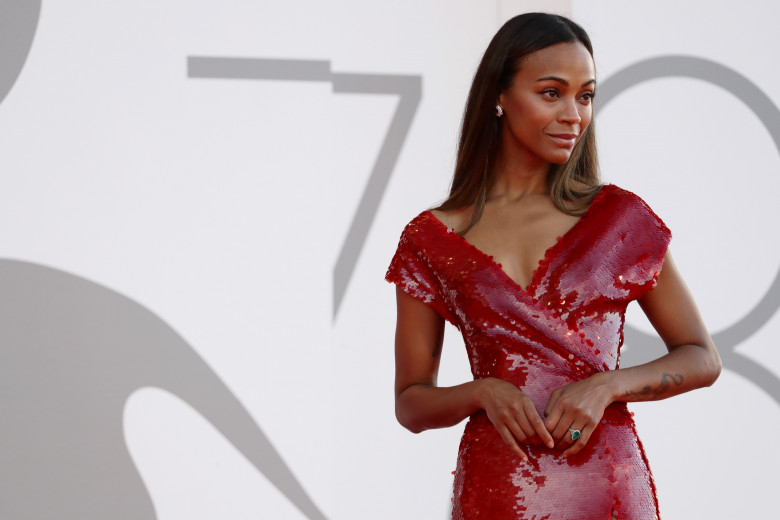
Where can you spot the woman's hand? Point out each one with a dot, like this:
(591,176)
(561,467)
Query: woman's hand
(513,414)
(575,407)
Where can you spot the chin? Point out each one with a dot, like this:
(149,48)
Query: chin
(559,158)
(555,155)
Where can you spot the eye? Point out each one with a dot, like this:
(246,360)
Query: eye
(550,93)
(587,97)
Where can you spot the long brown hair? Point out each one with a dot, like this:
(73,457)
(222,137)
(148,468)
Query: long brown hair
(576,181)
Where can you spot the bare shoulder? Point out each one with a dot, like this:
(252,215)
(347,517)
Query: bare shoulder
(454,219)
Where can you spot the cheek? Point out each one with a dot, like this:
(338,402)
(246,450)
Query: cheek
(534,112)
(585,117)
(539,119)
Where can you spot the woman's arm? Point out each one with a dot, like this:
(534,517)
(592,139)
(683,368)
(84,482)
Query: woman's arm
(420,404)
(692,362)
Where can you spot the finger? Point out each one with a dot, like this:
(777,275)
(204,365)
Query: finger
(580,443)
(552,413)
(537,424)
(561,431)
(551,420)
(568,438)
(530,435)
(518,431)
(534,440)
(510,441)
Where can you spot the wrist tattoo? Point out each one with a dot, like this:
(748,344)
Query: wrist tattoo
(650,393)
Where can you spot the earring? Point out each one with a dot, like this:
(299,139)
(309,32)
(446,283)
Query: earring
(499,111)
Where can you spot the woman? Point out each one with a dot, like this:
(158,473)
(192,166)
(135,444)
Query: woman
(535,262)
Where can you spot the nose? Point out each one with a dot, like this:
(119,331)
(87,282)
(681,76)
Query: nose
(569,113)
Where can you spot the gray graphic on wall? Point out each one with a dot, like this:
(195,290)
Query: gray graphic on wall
(72,354)
(409,91)
(644,347)
(18,22)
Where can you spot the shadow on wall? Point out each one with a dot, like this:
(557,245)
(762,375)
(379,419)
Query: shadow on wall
(72,354)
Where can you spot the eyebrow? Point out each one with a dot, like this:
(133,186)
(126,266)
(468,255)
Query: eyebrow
(563,81)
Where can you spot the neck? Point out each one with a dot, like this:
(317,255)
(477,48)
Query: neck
(516,175)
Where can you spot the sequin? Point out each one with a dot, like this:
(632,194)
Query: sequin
(610,257)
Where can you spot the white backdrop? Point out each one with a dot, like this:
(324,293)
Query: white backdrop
(222,205)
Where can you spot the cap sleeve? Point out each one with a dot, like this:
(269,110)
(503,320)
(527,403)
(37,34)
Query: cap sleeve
(646,240)
(412,270)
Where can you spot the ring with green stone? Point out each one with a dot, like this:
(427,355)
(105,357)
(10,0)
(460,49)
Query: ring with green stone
(575,434)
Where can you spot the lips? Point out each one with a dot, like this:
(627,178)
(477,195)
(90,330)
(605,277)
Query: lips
(564,139)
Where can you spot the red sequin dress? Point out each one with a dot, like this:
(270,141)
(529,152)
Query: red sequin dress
(564,327)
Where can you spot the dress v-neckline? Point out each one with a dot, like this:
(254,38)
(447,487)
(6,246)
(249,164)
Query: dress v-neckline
(543,261)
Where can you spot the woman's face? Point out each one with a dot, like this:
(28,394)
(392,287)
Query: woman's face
(549,104)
